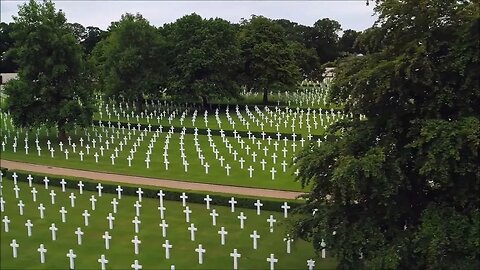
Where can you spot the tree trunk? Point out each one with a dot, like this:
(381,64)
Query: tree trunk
(62,134)
(139,104)
(265,96)
(205,102)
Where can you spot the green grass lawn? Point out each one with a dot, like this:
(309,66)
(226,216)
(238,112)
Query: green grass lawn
(152,254)
(196,172)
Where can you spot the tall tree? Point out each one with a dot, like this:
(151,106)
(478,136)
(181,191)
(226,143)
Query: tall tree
(269,59)
(324,38)
(130,61)
(204,59)
(93,35)
(305,57)
(52,85)
(399,188)
(347,42)
(6,42)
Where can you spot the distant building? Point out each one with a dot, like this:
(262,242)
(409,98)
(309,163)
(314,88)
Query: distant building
(5,77)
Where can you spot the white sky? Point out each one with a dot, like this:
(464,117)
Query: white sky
(351,14)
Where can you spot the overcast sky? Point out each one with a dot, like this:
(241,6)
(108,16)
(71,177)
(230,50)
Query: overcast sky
(351,14)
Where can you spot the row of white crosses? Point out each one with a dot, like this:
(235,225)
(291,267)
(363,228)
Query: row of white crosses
(274,119)
(263,146)
(136,241)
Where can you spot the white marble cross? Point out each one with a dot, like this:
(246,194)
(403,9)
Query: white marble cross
(107,238)
(323,245)
(258,204)
(184,198)
(62,211)
(285,208)
(2,204)
(79,234)
(80,187)
(136,242)
(41,208)
(16,189)
(102,261)
(167,247)
(139,193)
(29,226)
(242,218)
(63,183)
(192,230)
(310,264)
(136,265)
(136,223)
(45,181)
(187,212)
(20,207)
(85,215)
(99,188)
(232,204)
(160,195)
(52,196)
(14,246)
(164,226)
(114,203)
(71,256)
(207,200)
(271,220)
(42,250)
(72,199)
(200,250)
(214,216)
(93,200)
(137,206)
(272,261)
(54,230)
(255,237)
(5,221)
(235,255)
(222,233)
(119,190)
(289,241)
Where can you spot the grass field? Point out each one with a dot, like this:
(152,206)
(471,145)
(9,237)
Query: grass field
(217,174)
(152,255)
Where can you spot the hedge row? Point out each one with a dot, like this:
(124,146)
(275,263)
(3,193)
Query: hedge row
(193,197)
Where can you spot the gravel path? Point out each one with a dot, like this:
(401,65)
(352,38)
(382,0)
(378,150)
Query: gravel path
(256,192)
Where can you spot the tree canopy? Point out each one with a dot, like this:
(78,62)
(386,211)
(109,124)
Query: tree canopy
(130,61)
(269,59)
(52,85)
(203,59)
(399,188)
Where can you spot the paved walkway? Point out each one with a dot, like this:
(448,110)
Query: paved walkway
(119,178)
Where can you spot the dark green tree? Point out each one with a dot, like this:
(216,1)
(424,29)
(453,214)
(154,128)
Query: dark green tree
(269,59)
(399,188)
(52,85)
(6,42)
(346,43)
(130,61)
(203,59)
(324,38)
(93,35)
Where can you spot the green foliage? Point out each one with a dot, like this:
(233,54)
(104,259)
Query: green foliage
(130,61)
(324,38)
(6,42)
(400,187)
(52,83)
(346,43)
(203,59)
(269,59)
